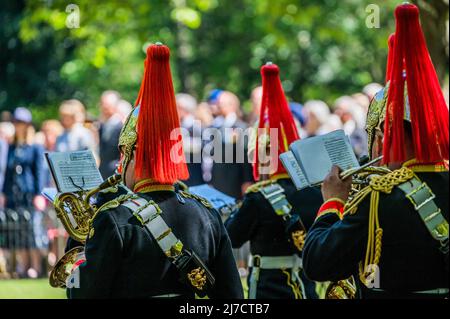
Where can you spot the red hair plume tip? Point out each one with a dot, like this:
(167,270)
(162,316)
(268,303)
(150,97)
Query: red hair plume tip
(270,69)
(407,11)
(158,51)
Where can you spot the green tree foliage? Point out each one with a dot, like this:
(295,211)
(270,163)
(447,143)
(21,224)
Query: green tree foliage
(323,47)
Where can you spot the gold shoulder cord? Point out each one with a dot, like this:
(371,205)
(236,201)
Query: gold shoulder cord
(384,184)
(108,205)
(200,199)
(255,188)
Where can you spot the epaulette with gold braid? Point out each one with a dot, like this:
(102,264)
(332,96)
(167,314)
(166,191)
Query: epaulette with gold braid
(386,183)
(181,186)
(380,183)
(255,188)
(116,202)
(200,199)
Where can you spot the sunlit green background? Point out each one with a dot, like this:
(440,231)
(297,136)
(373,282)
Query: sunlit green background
(29,289)
(323,47)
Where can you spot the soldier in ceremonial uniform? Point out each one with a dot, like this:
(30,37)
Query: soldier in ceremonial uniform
(156,241)
(392,236)
(269,215)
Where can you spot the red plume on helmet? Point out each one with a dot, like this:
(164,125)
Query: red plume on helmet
(429,112)
(274,114)
(158,156)
(390,57)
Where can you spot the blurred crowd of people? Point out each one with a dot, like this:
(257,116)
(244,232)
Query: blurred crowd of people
(31,237)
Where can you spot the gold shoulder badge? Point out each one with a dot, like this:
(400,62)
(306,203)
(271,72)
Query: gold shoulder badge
(197,278)
(200,199)
(298,238)
(255,188)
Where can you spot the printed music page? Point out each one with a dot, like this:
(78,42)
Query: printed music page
(294,170)
(316,155)
(74,171)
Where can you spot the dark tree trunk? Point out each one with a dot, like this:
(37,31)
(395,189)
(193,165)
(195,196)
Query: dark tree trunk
(434,19)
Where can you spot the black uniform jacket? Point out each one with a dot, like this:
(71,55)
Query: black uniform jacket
(257,222)
(124,261)
(410,259)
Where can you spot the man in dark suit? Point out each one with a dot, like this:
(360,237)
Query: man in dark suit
(109,131)
(230,175)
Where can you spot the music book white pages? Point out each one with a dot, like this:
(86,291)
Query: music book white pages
(74,171)
(309,160)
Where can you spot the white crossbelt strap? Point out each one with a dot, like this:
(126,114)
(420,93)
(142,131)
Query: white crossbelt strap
(149,215)
(274,194)
(167,296)
(277,262)
(422,197)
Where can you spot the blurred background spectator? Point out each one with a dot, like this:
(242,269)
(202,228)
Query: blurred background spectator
(110,125)
(192,137)
(371,89)
(317,113)
(255,99)
(75,137)
(24,181)
(227,175)
(353,120)
(124,109)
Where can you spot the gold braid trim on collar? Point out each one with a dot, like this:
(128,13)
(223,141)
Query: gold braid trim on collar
(148,185)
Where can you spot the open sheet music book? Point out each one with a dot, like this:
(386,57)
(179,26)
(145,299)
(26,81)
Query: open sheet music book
(309,160)
(74,171)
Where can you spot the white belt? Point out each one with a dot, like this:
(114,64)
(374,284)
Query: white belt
(167,296)
(276,262)
(438,291)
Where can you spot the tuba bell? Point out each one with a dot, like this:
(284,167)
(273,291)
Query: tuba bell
(342,289)
(76,213)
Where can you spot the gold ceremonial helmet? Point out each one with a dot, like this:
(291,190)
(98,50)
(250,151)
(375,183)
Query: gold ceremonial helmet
(376,115)
(128,139)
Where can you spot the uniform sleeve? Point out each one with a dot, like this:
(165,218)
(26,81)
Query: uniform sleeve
(228,282)
(103,254)
(243,222)
(334,246)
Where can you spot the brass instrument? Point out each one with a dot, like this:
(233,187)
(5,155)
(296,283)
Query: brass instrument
(342,289)
(76,213)
(346,288)
(63,267)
